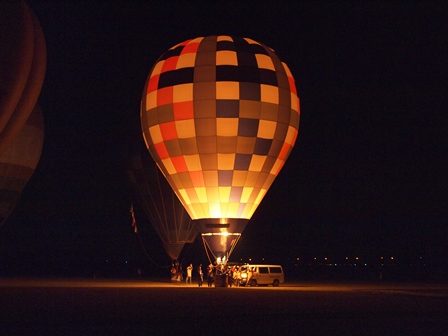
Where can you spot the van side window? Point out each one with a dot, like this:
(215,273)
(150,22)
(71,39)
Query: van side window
(276,270)
(263,270)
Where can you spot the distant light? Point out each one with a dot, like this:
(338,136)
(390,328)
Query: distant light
(326,258)
(297,258)
(346,258)
(391,258)
(357,258)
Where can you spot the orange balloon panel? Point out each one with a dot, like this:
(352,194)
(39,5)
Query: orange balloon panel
(220,116)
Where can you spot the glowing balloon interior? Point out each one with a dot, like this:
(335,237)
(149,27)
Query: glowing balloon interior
(220,116)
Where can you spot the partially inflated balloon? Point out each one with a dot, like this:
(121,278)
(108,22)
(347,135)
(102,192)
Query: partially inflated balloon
(162,207)
(220,116)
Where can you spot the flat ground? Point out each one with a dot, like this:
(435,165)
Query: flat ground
(115,307)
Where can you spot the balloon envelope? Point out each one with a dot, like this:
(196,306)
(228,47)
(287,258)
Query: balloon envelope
(220,116)
(22,67)
(162,207)
(16,55)
(18,163)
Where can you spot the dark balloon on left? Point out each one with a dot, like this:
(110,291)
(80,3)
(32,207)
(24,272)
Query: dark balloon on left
(23,59)
(19,162)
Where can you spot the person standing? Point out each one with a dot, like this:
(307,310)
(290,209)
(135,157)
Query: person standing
(201,275)
(180,274)
(210,275)
(236,276)
(250,274)
(173,273)
(189,273)
(229,274)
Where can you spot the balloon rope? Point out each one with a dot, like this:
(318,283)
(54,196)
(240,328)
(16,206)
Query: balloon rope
(233,246)
(144,204)
(165,224)
(163,227)
(206,248)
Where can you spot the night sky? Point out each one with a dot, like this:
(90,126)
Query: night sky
(368,174)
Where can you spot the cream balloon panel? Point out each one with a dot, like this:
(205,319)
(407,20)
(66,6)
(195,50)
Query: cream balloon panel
(221,117)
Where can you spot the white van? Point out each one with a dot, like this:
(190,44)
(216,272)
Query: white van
(261,275)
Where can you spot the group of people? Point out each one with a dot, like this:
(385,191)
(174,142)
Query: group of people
(232,274)
(177,274)
(190,275)
(234,278)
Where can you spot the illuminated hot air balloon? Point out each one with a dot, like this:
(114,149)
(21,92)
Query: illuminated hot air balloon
(220,116)
(22,67)
(18,163)
(162,207)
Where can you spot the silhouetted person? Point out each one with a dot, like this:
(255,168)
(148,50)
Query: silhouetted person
(210,275)
(201,275)
(189,273)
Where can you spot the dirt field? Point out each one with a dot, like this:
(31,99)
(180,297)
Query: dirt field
(100,307)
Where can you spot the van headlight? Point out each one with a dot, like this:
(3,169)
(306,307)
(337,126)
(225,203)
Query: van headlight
(243,275)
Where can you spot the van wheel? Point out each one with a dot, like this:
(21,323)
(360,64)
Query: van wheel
(275,283)
(253,283)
